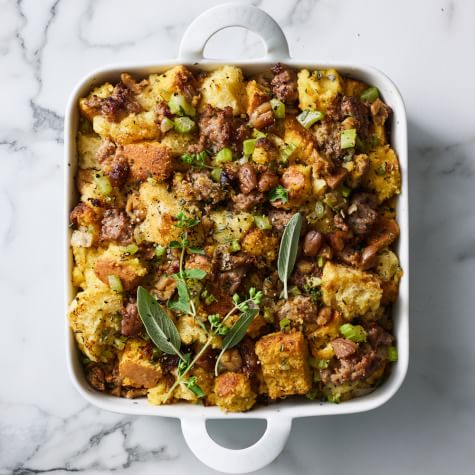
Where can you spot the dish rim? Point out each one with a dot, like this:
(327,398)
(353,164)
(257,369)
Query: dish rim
(289,408)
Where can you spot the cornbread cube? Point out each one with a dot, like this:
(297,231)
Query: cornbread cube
(177,143)
(102,92)
(351,87)
(256,95)
(351,291)
(260,243)
(300,138)
(87,145)
(148,159)
(135,368)
(113,262)
(133,128)
(93,319)
(224,87)
(297,180)
(283,358)
(265,152)
(233,392)
(229,225)
(383,177)
(318,89)
(319,340)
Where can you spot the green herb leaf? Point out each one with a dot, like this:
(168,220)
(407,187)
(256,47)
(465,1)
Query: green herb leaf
(193,386)
(183,302)
(279,193)
(288,249)
(236,333)
(196,250)
(194,274)
(160,328)
(184,221)
(197,160)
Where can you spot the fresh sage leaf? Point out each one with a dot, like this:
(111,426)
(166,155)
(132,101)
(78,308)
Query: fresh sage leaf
(236,333)
(183,302)
(160,328)
(289,245)
(194,274)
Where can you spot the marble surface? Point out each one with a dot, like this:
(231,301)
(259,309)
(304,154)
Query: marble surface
(426,47)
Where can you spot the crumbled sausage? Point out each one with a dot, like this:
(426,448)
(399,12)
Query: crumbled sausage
(95,377)
(358,110)
(247,178)
(243,202)
(116,226)
(216,127)
(380,112)
(362,212)
(131,324)
(284,83)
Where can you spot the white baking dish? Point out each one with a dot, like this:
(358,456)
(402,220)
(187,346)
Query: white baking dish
(278,416)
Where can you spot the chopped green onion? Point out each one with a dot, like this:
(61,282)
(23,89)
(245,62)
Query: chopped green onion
(180,106)
(312,395)
(319,209)
(323,364)
(335,398)
(103,185)
(284,323)
(119,343)
(279,193)
(262,222)
(392,354)
(345,191)
(248,146)
(257,134)
(321,261)
(286,152)
(216,174)
(184,125)
(370,94)
(354,333)
(192,385)
(294,291)
(115,284)
(224,155)
(235,246)
(166,124)
(307,118)
(160,250)
(278,107)
(348,138)
(131,249)
(381,170)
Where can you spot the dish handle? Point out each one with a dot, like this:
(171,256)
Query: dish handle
(252,458)
(233,14)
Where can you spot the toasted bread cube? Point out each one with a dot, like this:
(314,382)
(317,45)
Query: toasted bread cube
(229,225)
(352,87)
(161,208)
(283,358)
(158,394)
(101,92)
(297,180)
(87,145)
(177,143)
(160,87)
(224,87)
(148,160)
(265,152)
(113,262)
(133,128)
(258,242)
(93,319)
(351,291)
(301,138)
(390,273)
(319,340)
(256,95)
(233,392)
(135,368)
(383,177)
(318,89)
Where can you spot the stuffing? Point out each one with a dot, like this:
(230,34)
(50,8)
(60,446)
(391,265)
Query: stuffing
(229,226)
(318,89)
(260,243)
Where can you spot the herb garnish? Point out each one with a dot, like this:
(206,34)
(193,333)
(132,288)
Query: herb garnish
(184,221)
(279,193)
(288,250)
(197,160)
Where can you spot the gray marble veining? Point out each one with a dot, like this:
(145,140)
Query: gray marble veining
(426,47)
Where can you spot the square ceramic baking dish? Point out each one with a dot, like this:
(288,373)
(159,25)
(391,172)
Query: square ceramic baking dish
(278,416)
